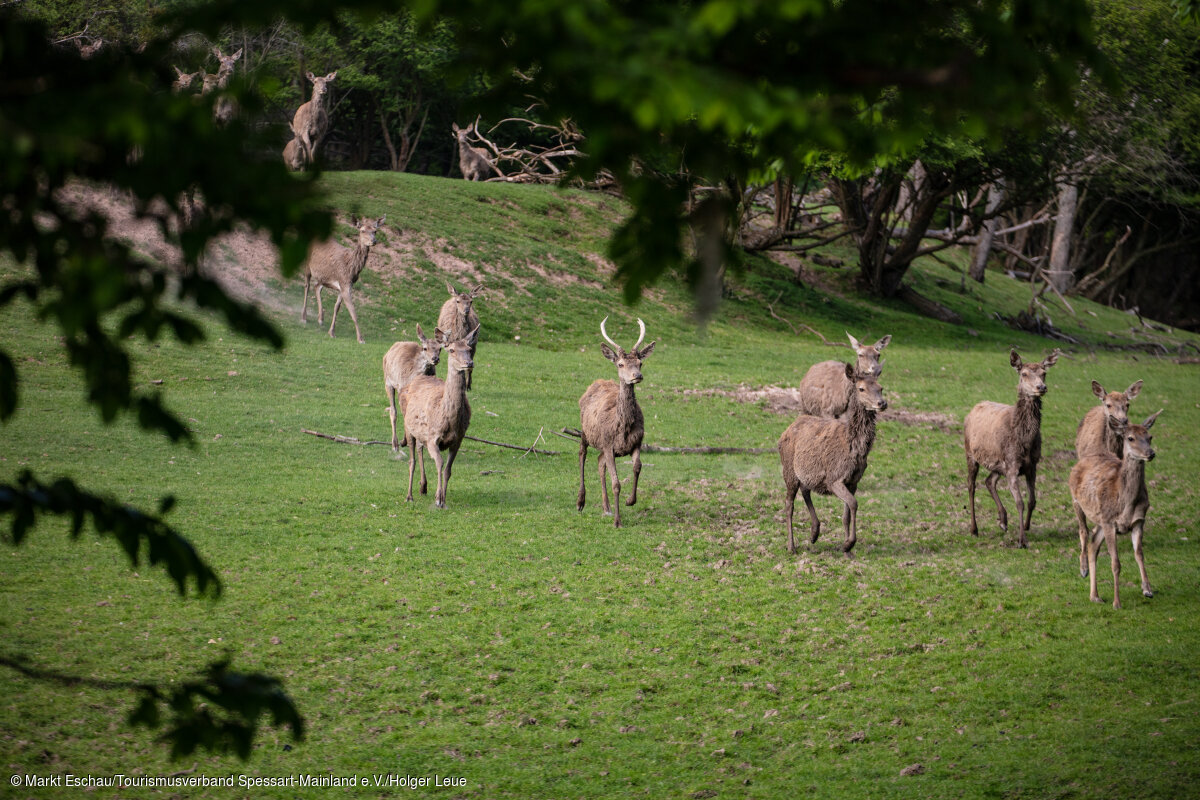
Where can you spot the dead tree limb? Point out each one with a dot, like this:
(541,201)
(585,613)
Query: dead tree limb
(573,433)
(352,440)
(513,446)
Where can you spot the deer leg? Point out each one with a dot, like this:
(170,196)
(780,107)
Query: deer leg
(424,484)
(1138,530)
(972,474)
(390,391)
(849,515)
(582,487)
(1083,539)
(616,487)
(439,497)
(813,522)
(990,483)
(353,317)
(412,462)
(336,305)
(1110,539)
(1014,486)
(320,308)
(602,466)
(1031,485)
(789,504)
(1093,550)
(304,308)
(447,466)
(637,470)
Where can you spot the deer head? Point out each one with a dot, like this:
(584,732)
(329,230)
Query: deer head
(1116,404)
(431,348)
(868,354)
(458,351)
(867,388)
(320,85)
(367,228)
(1032,381)
(629,362)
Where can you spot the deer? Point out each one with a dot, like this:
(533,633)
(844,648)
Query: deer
(184,80)
(224,109)
(312,118)
(472,161)
(829,456)
(1111,492)
(611,420)
(332,266)
(457,316)
(1007,440)
(293,152)
(825,391)
(436,415)
(405,361)
(1100,429)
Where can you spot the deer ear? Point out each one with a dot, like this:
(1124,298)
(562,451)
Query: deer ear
(237,55)
(478,290)
(381,220)
(1014,359)
(450,289)
(1150,420)
(420,333)
(1050,360)
(849,372)
(608,353)
(440,335)
(1133,390)
(331,75)
(311,77)
(853,342)
(1098,390)
(647,350)
(882,343)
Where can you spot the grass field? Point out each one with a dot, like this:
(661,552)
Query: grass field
(526,650)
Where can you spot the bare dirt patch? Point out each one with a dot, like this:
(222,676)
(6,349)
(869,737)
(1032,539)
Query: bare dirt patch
(785,401)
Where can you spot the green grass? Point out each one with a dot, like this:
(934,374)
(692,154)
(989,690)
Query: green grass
(537,652)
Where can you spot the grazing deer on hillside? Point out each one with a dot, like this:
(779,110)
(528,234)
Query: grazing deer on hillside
(825,391)
(473,161)
(1007,440)
(829,456)
(405,361)
(1101,428)
(436,416)
(1112,493)
(457,317)
(312,118)
(332,266)
(611,420)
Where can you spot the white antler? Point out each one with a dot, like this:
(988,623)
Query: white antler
(604,333)
(641,335)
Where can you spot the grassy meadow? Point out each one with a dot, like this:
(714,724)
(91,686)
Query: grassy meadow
(532,651)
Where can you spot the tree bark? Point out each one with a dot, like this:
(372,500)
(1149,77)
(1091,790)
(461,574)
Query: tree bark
(983,249)
(1058,273)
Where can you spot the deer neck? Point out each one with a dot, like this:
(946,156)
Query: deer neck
(626,402)
(1133,481)
(860,422)
(358,260)
(454,394)
(1027,417)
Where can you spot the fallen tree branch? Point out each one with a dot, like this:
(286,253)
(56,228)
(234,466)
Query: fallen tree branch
(771,311)
(573,433)
(352,440)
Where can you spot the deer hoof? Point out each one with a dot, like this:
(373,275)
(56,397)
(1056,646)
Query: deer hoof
(1147,593)
(630,501)
(360,339)
(1083,572)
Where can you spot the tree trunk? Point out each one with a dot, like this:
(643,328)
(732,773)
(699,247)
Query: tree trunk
(1058,273)
(983,248)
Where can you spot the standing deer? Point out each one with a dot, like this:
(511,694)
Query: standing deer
(1007,440)
(436,416)
(1112,493)
(405,361)
(457,316)
(312,119)
(611,420)
(1100,430)
(330,265)
(825,391)
(225,108)
(829,456)
(473,161)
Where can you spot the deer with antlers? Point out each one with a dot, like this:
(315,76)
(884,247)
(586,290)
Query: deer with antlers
(611,420)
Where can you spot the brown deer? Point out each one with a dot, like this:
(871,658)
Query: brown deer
(829,456)
(457,316)
(184,80)
(1007,440)
(293,152)
(224,109)
(436,416)
(332,266)
(312,119)
(405,361)
(611,420)
(1100,430)
(1111,492)
(825,391)
(473,161)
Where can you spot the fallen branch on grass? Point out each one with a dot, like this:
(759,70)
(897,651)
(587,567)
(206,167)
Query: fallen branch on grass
(573,433)
(352,440)
(771,310)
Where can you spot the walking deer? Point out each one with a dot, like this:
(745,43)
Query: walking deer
(825,390)
(1007,440)
(436,416)
(332,266)
(829,456)
(405,361)
(611,420)
(1100,430)
(1111,492)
